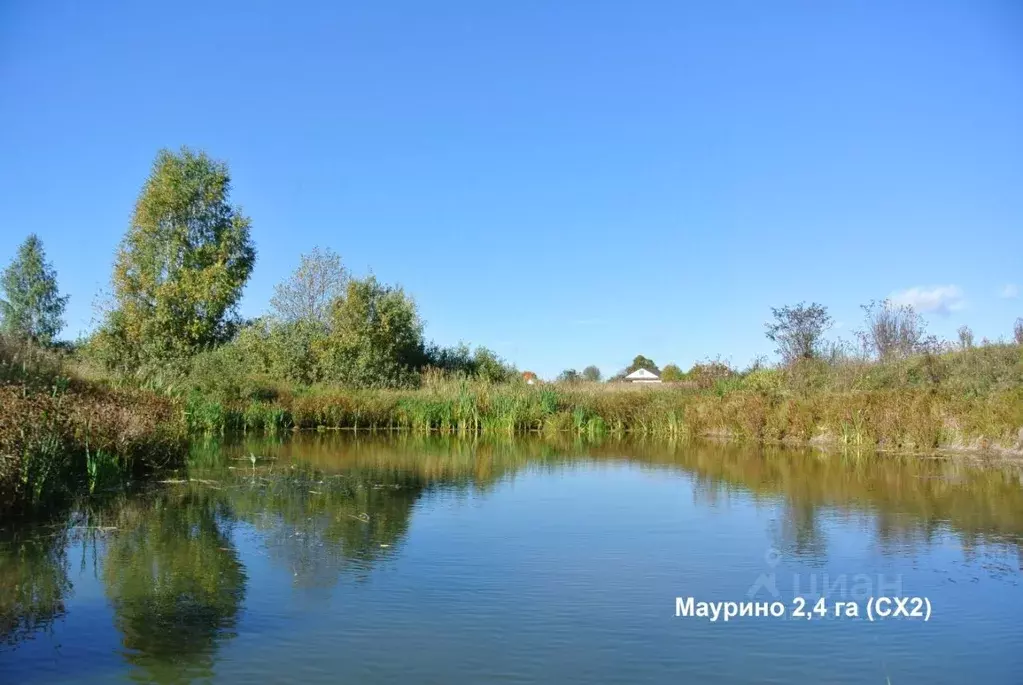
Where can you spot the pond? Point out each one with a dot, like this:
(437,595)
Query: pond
(329,558)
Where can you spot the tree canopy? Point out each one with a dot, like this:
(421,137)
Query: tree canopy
(376,336)
(182,265)
(309,293)
(591,373)
(799,331)
(32,306)
(569,376)
(641,362)
(672,373)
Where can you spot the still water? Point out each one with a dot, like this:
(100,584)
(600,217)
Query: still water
(337,559)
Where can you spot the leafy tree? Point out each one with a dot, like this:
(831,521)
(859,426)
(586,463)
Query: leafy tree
(307,295)
(709,373)
(799,331)
(454,359)
(591,373)
(481,363)
(291,349)
(264,350)
(672,374)
(569,376)
(641,362)
(376,337)
(1017,331)
(181,266)
(32,307)
(488,366)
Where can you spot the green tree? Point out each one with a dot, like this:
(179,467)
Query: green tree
(32,306)
(569,376)
(181,267)
(709,373)
(482,363)
(308,294)
(672,374)
(488,366)
(799,331)
(591,373)
(641,362)
(289,351)
(376,337)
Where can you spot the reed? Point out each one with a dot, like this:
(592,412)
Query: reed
(907,419)
(60,435)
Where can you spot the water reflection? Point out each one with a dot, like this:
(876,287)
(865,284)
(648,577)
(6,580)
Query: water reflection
(326,507)
(174,582)
(911,498)
(34,582)
(321,526)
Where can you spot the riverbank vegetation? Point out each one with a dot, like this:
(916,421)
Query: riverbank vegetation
(972,400)
(60,435)
(339,351)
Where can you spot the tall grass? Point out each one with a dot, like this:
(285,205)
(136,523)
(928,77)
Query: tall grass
(907,419)
(954,397)
(60,435)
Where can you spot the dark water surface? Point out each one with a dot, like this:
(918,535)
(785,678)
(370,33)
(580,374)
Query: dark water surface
(333,559)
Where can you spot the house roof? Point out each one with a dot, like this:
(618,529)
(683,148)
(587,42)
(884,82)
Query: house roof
(643,374)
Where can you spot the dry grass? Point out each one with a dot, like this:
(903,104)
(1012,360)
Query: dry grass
(59,434)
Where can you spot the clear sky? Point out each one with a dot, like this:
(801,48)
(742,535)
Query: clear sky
(565,182)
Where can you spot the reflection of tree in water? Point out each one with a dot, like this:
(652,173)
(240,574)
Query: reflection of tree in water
(321,526)
(330,506)
(175,583)
(798,532)
(908,501)
(33,582)
(800,535)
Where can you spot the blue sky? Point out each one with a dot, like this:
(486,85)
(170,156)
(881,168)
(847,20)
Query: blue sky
(567,183)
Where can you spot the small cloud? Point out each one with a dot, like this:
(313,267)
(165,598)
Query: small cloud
(1009,291)
(939,299)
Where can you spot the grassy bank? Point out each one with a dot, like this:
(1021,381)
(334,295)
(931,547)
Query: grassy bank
(887,419)
(64,432)
(970,399)
(61,435)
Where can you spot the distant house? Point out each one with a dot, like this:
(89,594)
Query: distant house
(643,376)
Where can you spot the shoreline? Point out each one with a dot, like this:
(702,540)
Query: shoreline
(988,454)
